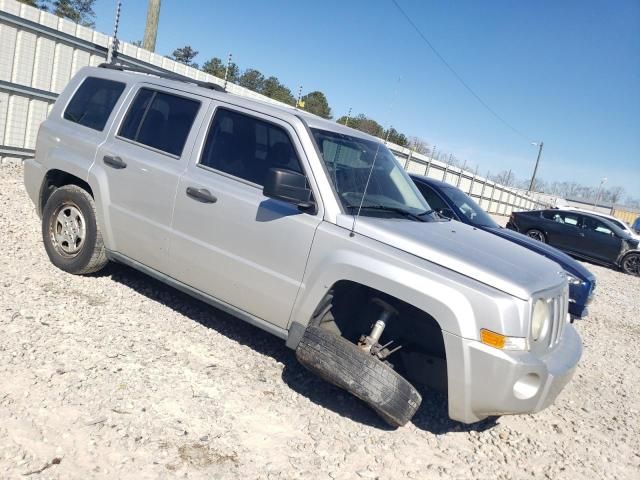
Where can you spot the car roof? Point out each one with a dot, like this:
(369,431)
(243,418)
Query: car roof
(584,210)
(593,215)
(275,110)
(430,181)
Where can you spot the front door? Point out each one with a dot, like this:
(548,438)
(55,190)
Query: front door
(142,159)
(600,241)
(229,240)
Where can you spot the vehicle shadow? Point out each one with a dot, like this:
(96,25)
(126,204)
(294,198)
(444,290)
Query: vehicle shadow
(432,415)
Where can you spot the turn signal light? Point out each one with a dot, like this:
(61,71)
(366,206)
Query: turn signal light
(502,342)
(492,339)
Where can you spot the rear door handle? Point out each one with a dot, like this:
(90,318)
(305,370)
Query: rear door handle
(201,194)
(114,162)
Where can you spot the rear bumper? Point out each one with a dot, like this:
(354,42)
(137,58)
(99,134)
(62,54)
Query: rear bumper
(34,173)
(484,381)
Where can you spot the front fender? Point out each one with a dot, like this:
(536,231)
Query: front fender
(459,304)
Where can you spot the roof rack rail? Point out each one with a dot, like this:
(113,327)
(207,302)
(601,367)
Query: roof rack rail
(167,75)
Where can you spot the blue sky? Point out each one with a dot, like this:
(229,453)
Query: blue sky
(565,72)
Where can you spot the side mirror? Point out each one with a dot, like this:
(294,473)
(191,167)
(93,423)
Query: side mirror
(290,187)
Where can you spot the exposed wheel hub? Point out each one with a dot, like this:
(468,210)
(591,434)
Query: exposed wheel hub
(370,343)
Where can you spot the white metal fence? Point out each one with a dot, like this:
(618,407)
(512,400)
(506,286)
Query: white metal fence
(40,52)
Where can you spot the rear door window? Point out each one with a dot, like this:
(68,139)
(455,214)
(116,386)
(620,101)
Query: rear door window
(558,216)
(160,120)
(93,102)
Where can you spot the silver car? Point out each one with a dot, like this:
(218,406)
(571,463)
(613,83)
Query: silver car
(309,230)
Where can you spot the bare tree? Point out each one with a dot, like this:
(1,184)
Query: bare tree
(419,145)
(505,177)
(615,194)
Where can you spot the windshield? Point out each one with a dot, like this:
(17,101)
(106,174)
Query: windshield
(349,159)
(469,208)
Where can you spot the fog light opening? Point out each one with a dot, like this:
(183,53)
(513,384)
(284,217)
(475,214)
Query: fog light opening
(527,386)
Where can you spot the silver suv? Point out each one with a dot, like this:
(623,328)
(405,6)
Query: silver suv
(309,230)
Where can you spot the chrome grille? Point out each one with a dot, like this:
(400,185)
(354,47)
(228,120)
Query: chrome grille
(560,306)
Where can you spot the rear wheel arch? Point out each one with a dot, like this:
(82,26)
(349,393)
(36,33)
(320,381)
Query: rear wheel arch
(55,179)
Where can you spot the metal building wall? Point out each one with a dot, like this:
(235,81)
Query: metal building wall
(40,52)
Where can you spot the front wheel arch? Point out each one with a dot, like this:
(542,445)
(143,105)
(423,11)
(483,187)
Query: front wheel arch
(348,309)
(628,265)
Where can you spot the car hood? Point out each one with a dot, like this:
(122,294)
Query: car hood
(572,266)
(467,250)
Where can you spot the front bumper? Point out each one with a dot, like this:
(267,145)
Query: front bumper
(484,381)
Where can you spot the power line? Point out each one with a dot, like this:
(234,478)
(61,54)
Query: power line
(455,74)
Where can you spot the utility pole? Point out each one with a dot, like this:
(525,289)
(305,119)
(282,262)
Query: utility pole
(299,97)
(595,204)
(535,169)
(346,122)
(151,28)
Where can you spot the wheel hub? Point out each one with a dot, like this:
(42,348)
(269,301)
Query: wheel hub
(68,229)
(632,264)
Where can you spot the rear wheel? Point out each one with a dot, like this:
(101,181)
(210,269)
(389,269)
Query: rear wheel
(70,232)
(340,362)
(631,264)
(537,235)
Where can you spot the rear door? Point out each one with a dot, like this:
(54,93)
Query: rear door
(600,241)
(563,229)
(230,241)
(142,159)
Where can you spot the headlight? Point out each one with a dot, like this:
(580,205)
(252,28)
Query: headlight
(540,319)
(573,280)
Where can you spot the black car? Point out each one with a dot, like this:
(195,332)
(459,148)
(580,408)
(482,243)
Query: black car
(451,202)
(581,235)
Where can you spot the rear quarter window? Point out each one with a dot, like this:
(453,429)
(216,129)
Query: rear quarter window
(93,102)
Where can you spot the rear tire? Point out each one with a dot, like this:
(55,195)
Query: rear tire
(631,264)
(537,235)
(70,231)
(340,362)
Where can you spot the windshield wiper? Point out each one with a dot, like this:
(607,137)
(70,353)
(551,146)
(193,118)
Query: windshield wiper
(384,208)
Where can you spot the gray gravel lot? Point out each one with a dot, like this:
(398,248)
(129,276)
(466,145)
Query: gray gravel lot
(118,376)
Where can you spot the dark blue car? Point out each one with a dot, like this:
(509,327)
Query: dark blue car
(451,202)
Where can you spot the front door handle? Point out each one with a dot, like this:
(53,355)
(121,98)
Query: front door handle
(201,194)
(114,162)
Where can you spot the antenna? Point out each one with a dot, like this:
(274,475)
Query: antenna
(373,163)
(112,53)
(364,194)
(226,71)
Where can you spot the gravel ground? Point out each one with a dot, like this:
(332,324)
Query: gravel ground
(118,376)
